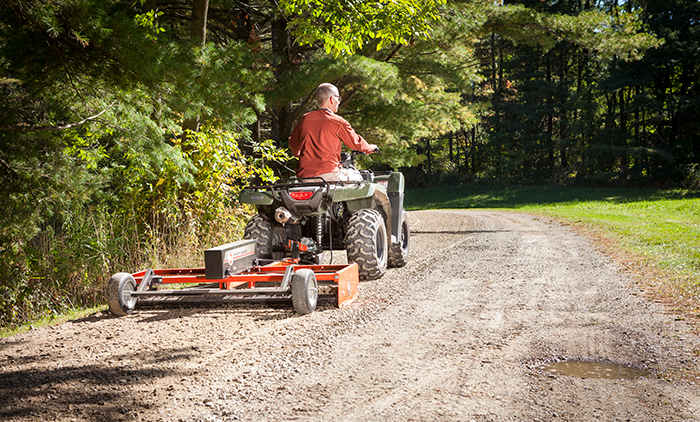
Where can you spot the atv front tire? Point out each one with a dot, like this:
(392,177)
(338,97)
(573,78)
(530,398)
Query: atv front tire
(366,243)
(398,253)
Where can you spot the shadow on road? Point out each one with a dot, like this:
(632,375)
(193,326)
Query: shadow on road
(86,392)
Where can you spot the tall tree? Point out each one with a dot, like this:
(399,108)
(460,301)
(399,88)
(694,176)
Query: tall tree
(198,32)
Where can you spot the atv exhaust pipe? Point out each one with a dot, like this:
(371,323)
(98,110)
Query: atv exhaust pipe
(282,215)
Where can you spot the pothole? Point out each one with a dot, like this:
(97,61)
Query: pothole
(592,369)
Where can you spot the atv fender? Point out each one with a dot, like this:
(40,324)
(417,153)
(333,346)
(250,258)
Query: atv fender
(394,183)
(256,197)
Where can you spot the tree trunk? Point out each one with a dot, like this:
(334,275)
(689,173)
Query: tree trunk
(637,91)
(564,120)
(282,116)
(625,159)
(449,139)
(198,24)
(427,153)
(494,73)
(149,5)
(550,117)
(198,32)
(473,149)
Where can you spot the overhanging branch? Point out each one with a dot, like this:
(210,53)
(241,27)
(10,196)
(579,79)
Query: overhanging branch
(28,128)
(534,25)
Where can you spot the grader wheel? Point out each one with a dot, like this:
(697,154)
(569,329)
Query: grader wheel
(119,297)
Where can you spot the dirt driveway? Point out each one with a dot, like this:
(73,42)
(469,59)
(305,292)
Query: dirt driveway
(459,334)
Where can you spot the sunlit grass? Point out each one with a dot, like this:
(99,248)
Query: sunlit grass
(660,226)
(52,320)
(666,231)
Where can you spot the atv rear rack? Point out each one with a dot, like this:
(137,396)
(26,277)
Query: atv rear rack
(305,183)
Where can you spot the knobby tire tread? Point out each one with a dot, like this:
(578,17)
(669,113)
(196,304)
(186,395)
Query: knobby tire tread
(398,254)
(360,243)
(260,228)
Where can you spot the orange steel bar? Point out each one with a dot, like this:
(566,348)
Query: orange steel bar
(344,276)
(227,285)
(348,281)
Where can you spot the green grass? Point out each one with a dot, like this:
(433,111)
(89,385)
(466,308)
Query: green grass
(660,226)
(52,320)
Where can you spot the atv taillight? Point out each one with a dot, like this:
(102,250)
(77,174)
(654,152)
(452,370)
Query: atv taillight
(301,195)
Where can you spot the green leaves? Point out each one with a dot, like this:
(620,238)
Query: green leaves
(264,154)
(345,27)
(149,21)
(609,35)
(86,147)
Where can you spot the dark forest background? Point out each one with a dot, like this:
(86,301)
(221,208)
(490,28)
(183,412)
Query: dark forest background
(566,116)
(127,128)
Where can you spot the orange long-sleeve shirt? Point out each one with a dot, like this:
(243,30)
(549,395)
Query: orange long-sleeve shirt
(317,140)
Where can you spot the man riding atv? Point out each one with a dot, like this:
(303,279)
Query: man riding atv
(331,205)
(316,140)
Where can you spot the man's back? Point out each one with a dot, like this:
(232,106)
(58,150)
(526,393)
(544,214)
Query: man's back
(317,141)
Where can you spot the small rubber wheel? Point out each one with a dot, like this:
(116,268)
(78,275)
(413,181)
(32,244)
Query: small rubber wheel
(119,294)
(304,291)
(398,253)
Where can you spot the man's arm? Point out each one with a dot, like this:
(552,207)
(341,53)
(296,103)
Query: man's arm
(354,141)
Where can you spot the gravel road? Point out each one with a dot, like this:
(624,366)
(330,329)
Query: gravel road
(462,333)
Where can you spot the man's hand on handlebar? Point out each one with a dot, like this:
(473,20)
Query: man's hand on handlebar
(356,152)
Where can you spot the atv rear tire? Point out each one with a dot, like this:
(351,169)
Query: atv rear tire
(398,253)
(366,243)
(260,228)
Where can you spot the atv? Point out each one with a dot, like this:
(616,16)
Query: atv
(309,218)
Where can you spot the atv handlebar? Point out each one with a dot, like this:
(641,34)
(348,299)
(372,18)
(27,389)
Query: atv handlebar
(347,159)
(355,152)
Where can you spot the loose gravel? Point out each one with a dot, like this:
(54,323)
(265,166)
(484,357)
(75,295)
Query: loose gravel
(459,334)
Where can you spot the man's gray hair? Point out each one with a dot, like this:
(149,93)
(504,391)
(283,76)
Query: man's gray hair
(325,91)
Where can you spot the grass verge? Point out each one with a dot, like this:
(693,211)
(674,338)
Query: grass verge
(52,320)
(653,233)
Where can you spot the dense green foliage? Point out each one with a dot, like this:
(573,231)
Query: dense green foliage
(345,28)
(662,226)
(128,127)
(566,112)
(97,175)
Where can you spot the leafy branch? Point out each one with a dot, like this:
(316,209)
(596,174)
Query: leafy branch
(29,128)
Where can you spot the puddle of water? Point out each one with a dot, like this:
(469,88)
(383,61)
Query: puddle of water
(584,369)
